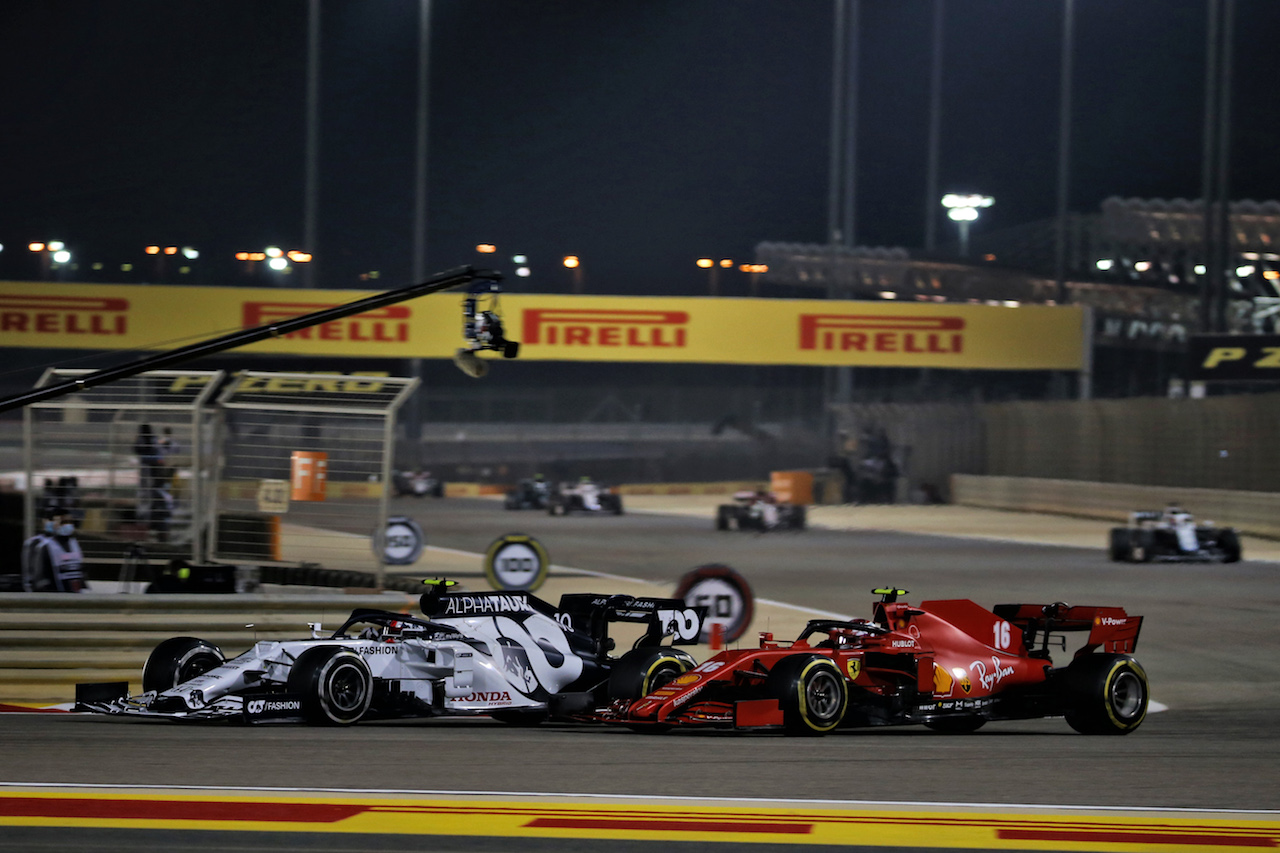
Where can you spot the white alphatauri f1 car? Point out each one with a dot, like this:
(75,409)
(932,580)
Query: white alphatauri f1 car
(508,655)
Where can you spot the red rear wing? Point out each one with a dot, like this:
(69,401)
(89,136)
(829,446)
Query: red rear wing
(1109,627)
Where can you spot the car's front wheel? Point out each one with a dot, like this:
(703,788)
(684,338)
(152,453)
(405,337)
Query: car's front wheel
(812,693)
(335,684)
(1107,694)
(177,660)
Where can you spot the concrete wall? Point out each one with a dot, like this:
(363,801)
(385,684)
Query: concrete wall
(1256,513)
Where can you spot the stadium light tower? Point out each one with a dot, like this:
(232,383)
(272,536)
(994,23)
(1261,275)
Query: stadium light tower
(963,209)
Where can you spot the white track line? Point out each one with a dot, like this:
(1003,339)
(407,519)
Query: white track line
(440,792)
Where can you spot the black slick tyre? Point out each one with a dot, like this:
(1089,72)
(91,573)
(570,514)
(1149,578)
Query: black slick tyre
(1106,694)
(335,684)
(1118,546)
(641,671)
(812,693)
(177,660)
(1229,542)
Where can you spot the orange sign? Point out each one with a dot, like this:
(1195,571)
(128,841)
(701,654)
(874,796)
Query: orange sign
(310,470)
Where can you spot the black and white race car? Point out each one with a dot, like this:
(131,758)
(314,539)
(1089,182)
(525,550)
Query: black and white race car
(1172,535)
(760,511)
(586,496)
(508,655)
(532,493)
(416,484)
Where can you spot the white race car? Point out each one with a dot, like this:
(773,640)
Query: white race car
(587,496)
(508,655)
(1172,535)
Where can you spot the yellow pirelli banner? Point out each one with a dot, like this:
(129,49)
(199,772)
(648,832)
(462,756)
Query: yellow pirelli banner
(564,328)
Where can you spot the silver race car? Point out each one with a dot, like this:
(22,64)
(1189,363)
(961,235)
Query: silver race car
(507,655)
(1172,535)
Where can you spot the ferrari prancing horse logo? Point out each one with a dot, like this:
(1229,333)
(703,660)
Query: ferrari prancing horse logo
(853,666)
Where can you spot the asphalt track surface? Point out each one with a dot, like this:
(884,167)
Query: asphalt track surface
(1209,644)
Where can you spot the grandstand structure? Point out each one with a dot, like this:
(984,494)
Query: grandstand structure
(1139,263)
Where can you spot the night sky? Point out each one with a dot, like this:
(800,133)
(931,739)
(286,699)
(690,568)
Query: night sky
(637,134)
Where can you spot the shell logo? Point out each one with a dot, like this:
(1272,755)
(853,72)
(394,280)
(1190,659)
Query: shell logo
(687,678)
(942,681)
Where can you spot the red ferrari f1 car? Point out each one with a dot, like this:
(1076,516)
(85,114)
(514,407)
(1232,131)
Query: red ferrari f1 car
(949,665)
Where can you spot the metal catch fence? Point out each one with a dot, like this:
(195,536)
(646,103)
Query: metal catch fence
(256,467)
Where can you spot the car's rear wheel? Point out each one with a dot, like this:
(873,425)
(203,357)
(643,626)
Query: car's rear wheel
(177,660)
(722,517)
(641,671)
(335,684)
(1107,694)
(1229,542)
(812,693)
(1119,545)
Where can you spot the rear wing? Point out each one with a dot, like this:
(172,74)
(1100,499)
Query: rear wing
(1110,628)
(586,613)
(665,617)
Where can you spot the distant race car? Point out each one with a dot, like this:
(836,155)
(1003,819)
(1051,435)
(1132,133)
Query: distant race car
(1172,535)
(586,496)
(508,655)
(949,665)
(416,484)
(528,494)
(760,511)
